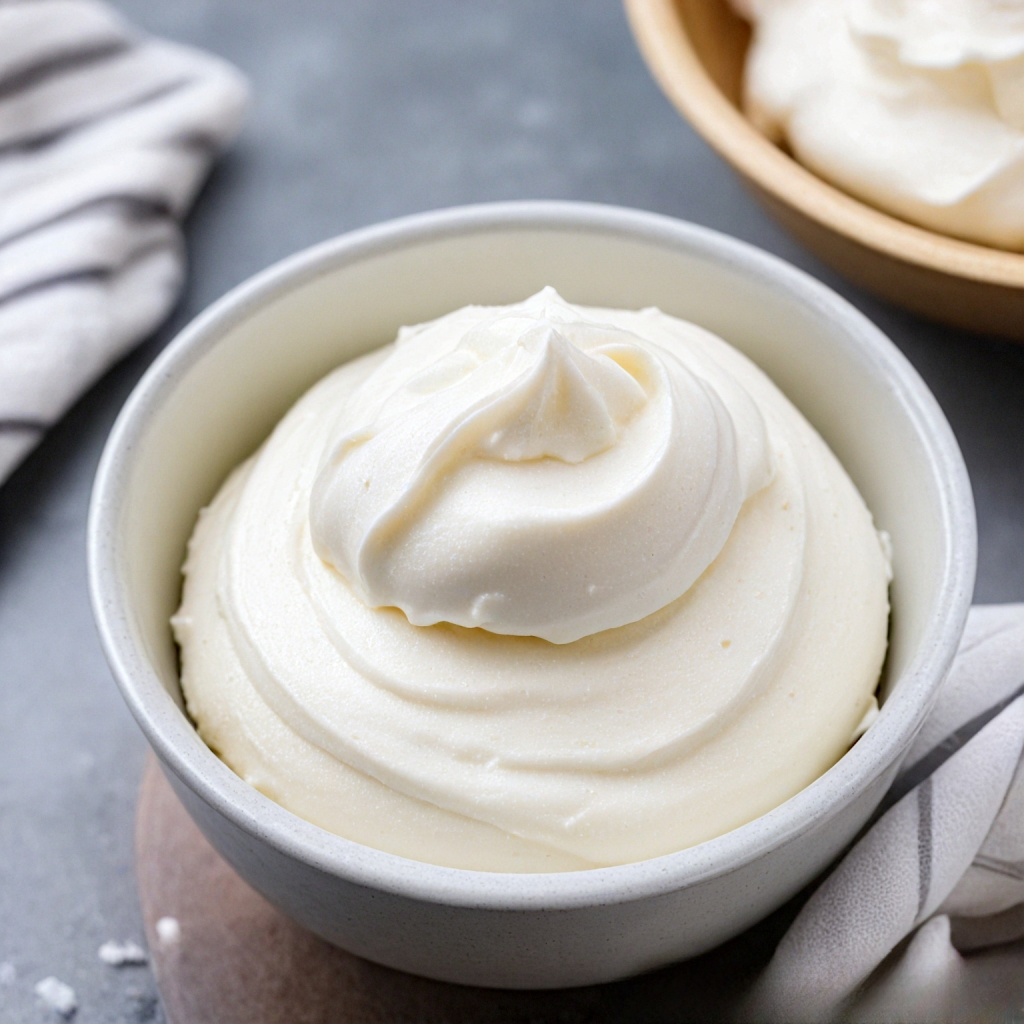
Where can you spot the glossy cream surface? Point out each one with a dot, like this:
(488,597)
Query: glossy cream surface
(535,588)
(535,472)
(915,106)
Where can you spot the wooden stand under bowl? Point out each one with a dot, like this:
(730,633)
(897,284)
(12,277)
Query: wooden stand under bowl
(696,51)
(232,958)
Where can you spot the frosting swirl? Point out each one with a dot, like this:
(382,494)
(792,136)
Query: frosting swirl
(488,470)
(542,474)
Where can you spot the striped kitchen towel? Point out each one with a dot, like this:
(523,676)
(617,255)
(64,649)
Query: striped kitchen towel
(940,874)
(106,136)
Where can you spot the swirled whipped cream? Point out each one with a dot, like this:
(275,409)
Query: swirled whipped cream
(916,106)
(535,588)
(539,474)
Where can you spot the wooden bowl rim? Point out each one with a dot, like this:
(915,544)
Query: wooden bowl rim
(669,53)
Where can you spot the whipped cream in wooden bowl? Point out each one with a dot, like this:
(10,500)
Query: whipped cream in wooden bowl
(914,106)
(536,588)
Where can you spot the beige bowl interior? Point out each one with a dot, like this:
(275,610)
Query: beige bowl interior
(696,50)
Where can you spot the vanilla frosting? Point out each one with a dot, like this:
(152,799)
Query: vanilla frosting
(539,474)
(916,106)
(535,588)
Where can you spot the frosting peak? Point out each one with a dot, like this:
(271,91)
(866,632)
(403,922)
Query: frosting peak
(546,398)
(534,472)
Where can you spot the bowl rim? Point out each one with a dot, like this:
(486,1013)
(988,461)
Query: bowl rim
(197,768)
(666,47)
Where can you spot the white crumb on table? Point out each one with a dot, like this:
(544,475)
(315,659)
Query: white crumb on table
(168,931)
(8,974)
(57,996)
(122,954)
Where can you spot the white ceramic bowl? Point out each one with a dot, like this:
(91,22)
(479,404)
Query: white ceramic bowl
(221,385)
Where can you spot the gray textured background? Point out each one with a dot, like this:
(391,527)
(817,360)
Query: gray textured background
(363,110)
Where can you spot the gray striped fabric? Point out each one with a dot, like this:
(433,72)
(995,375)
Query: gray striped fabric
(944,864)
(106,135)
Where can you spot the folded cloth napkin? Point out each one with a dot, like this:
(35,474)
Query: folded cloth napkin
(105,137)
(943,865)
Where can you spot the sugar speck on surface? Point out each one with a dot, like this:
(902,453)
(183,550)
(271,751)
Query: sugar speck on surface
(8,974)
(168,931)
(57,996)
(122,954)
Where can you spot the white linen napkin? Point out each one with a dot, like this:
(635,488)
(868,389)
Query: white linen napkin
(943,865)
(105,138)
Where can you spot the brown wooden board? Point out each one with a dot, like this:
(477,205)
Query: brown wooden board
(241,961)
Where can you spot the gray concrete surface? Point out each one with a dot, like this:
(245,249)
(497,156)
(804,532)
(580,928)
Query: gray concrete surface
(363,110)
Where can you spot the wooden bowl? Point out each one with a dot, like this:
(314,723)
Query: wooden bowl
(696,50)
